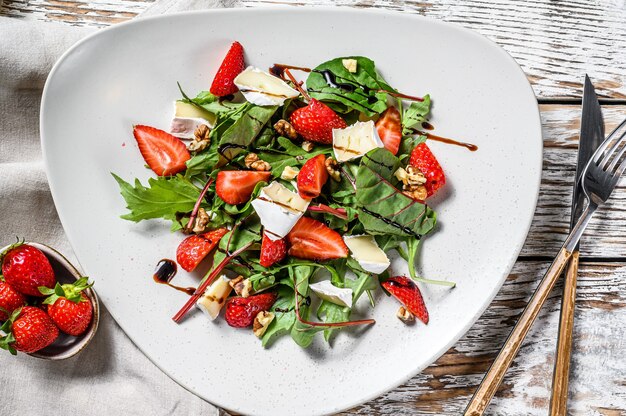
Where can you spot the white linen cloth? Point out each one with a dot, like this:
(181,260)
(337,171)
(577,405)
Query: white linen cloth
(111,376)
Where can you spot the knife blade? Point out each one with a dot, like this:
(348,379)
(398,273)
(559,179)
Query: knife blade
(591,135)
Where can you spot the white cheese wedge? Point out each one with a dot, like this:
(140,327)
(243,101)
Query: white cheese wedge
(214,298)
(327,291)
(355,140)
(187,117)
(365,250)
(279,209)
(262,88)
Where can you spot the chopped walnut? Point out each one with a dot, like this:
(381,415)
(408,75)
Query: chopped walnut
(333,169)
(414,176)
(404,315)
(417,192)
(307,146)
(241,286)
(261,322)
(284,128)
(350,65)
(201,138)
(289,173)
(252,161)
(202,219)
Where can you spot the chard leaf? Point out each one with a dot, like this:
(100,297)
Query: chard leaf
(302,333)
(163,198)
(415,114)
(350,91)
(242,132)
(284,317)
(383,208)
(407,145)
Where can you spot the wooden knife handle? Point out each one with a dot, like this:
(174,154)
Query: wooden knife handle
(560,379)
(494,376)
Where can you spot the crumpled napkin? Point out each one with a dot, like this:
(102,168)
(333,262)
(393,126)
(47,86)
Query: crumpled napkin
(111,376)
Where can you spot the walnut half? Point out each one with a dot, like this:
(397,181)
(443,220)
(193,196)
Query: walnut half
(404,315)
(284,128)
(253,162)
(262,320)
(332,167)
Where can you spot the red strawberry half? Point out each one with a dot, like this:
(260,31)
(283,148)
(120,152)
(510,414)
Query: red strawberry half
(389,128)
(407,292)
(272,251)
(312,240)
(423,159)
(236,186)
(312,177)
(316,122)
(232,65)
(240,312)
(193,249)
(69,308)
(26,268)
(10,300)
(164,153)
(29,329)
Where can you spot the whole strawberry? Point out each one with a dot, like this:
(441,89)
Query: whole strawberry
(28,329)
(240,312)
(68,307)
(10,300)
(316,122)
(26,268)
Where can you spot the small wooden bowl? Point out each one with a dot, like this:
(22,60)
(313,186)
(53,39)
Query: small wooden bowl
(67,346)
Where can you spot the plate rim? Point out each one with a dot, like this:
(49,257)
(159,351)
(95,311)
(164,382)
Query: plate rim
(403,378)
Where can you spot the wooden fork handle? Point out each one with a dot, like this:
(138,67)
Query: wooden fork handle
(560,380)
(494,376)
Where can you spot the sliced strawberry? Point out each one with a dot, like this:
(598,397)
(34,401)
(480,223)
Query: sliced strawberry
(312,240)
(316,122)
(407,292)
(236,186)
(193,249)
(389,128)
(312,177)
(240,312)
(272,251)
(232,65)
(164,153)
(423,159)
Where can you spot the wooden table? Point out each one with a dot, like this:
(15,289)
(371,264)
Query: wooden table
(556,43)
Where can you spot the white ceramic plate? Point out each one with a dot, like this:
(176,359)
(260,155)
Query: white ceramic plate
(127,75)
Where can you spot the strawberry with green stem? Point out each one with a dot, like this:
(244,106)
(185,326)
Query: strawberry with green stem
(25,268)
(68,306)
(28,330)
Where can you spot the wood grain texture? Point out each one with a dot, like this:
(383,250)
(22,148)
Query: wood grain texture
(555,42)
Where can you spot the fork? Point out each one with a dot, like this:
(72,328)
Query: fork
(598,180)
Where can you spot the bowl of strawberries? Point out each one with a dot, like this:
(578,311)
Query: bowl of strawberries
(47,308)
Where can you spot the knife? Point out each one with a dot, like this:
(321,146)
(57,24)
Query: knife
(591,135)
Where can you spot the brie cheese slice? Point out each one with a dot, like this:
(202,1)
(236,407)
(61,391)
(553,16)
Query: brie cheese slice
(214,298)
(327,291)
(262,88)
(279,209)
(365,250)
(355,140)
(187,117)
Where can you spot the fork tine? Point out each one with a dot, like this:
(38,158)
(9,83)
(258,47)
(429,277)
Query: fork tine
(621,152)
(619,171)
(603,157)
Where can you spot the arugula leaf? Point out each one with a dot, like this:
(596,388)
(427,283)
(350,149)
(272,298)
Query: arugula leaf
(302,333)
(352,91)
(164,198)
(242,132)
(329,312)
(415,115)
(293,155)
(383,208)
(209,102)
(284,316)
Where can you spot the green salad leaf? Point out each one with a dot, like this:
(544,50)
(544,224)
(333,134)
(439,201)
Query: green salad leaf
(415,114)
(362,90)
(290,155)
(165,197)
(240,135)
(383,208)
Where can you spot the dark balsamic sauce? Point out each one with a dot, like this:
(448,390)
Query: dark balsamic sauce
(427,126)
(165,271)
(468,146)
